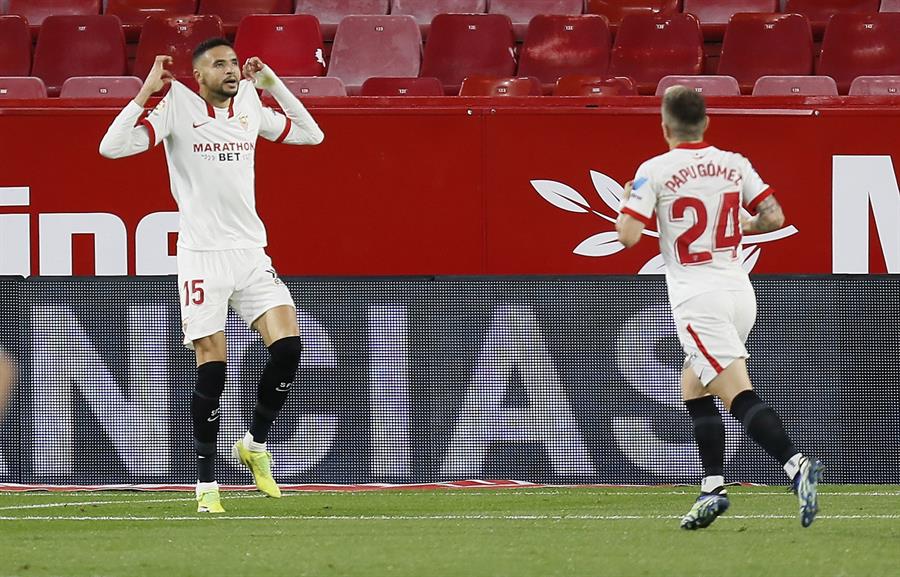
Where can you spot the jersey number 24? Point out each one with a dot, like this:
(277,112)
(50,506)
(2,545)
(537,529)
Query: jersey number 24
(728,213)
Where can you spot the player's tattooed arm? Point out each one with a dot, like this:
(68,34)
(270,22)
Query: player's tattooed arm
(769,217)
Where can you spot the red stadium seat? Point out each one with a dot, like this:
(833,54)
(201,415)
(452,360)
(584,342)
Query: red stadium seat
(766,45)
(101,87)
(820,11)
(715,14)
(367,46)
(306,86)
(330,12)
(860,45)
(35,11)
(78,46)
(706,85)
(176,37)
(424,11)
(521,12)
(291,44)
(890,6)
(133,13)
(422,86)
(875,86)
(489,86)
(22,87)
(616,10)
(650,46)
(583,85)
(233,11)
(15,46)
(565,45)
(795,86)
(464,45)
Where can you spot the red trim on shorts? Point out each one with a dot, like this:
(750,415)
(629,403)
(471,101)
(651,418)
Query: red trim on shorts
(715,364)
(284,133)
(149,127)
(631,212)
(692,145)
(751,206)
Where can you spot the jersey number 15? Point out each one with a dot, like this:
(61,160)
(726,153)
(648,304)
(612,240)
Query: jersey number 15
(728,213)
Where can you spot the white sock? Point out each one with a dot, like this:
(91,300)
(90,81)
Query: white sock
(792,467)
(202,487)
(711,483)
(252,445)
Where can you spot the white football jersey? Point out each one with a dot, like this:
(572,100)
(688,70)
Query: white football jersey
(211,153)
(697,192)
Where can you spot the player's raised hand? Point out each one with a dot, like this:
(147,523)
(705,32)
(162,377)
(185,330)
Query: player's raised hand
(252,67)
(156,80)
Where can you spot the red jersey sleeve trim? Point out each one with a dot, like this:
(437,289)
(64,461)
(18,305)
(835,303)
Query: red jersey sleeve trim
(284,133)
(751,206)
(648,221)
(146,123)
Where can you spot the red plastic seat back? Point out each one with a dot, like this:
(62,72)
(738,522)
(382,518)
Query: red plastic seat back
(421,86)
(766,45)
(820,11)
(705,85)
(649,47)
(582,85)
(306,86)
(101,87)
(133,13)
(233,11)
(330,12)
(464,45)
(22,87)
(367,46)
(616,10)
(795,86)
(291,44)
(715,14)
(78,46)
(15,46)
(175,37)
(860,45)
(890,5)
(490,86)
(36,11)
(521,12)
(424,11)
(565,45)
(875,86)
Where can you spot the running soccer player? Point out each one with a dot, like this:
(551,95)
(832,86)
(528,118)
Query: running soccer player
(697,191)
(210,142)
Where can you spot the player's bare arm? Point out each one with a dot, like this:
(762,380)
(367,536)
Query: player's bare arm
(156,80)
(769,217)
(628,227)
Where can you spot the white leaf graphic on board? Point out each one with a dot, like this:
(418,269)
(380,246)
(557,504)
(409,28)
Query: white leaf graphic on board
(655,265)
(609,190)
(751,255)
(561,195)
(603,244)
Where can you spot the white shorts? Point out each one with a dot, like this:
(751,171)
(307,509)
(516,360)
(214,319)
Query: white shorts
(713,328)
(210,281)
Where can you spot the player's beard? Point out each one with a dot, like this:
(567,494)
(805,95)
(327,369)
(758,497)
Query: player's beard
(226,91)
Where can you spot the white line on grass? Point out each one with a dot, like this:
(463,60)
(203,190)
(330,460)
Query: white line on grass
(119,502)
(422,517)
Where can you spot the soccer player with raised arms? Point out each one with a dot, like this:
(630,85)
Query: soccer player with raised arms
(210,141)
(697,192)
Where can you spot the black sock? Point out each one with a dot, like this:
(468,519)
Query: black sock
(763,425)
(205,415)
(274,385)
(709,432)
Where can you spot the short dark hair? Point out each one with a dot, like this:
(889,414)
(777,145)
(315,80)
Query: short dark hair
(209,44)
(684,110)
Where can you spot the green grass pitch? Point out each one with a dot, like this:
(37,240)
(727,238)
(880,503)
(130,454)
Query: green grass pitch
(542,531)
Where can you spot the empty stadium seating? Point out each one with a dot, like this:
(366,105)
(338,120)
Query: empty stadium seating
(521,12)
(616,10)
(36,11)
(15,46)
(78,46)
(795,86)
(583,85)
(421,86)
(330,12)
(307,86)
(565,45)
(424,11)
(820,11)
(232,11)
(860,45)
(489,86)
(650,46)
(464,45)
(715,14)
(875,86)
(22,87)
(290,43)
(706,85)
(133,13)
(101,87)
(176,37)
(367,46)
(765,45)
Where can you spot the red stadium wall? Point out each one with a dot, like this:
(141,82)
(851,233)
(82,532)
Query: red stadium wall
(448,190)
